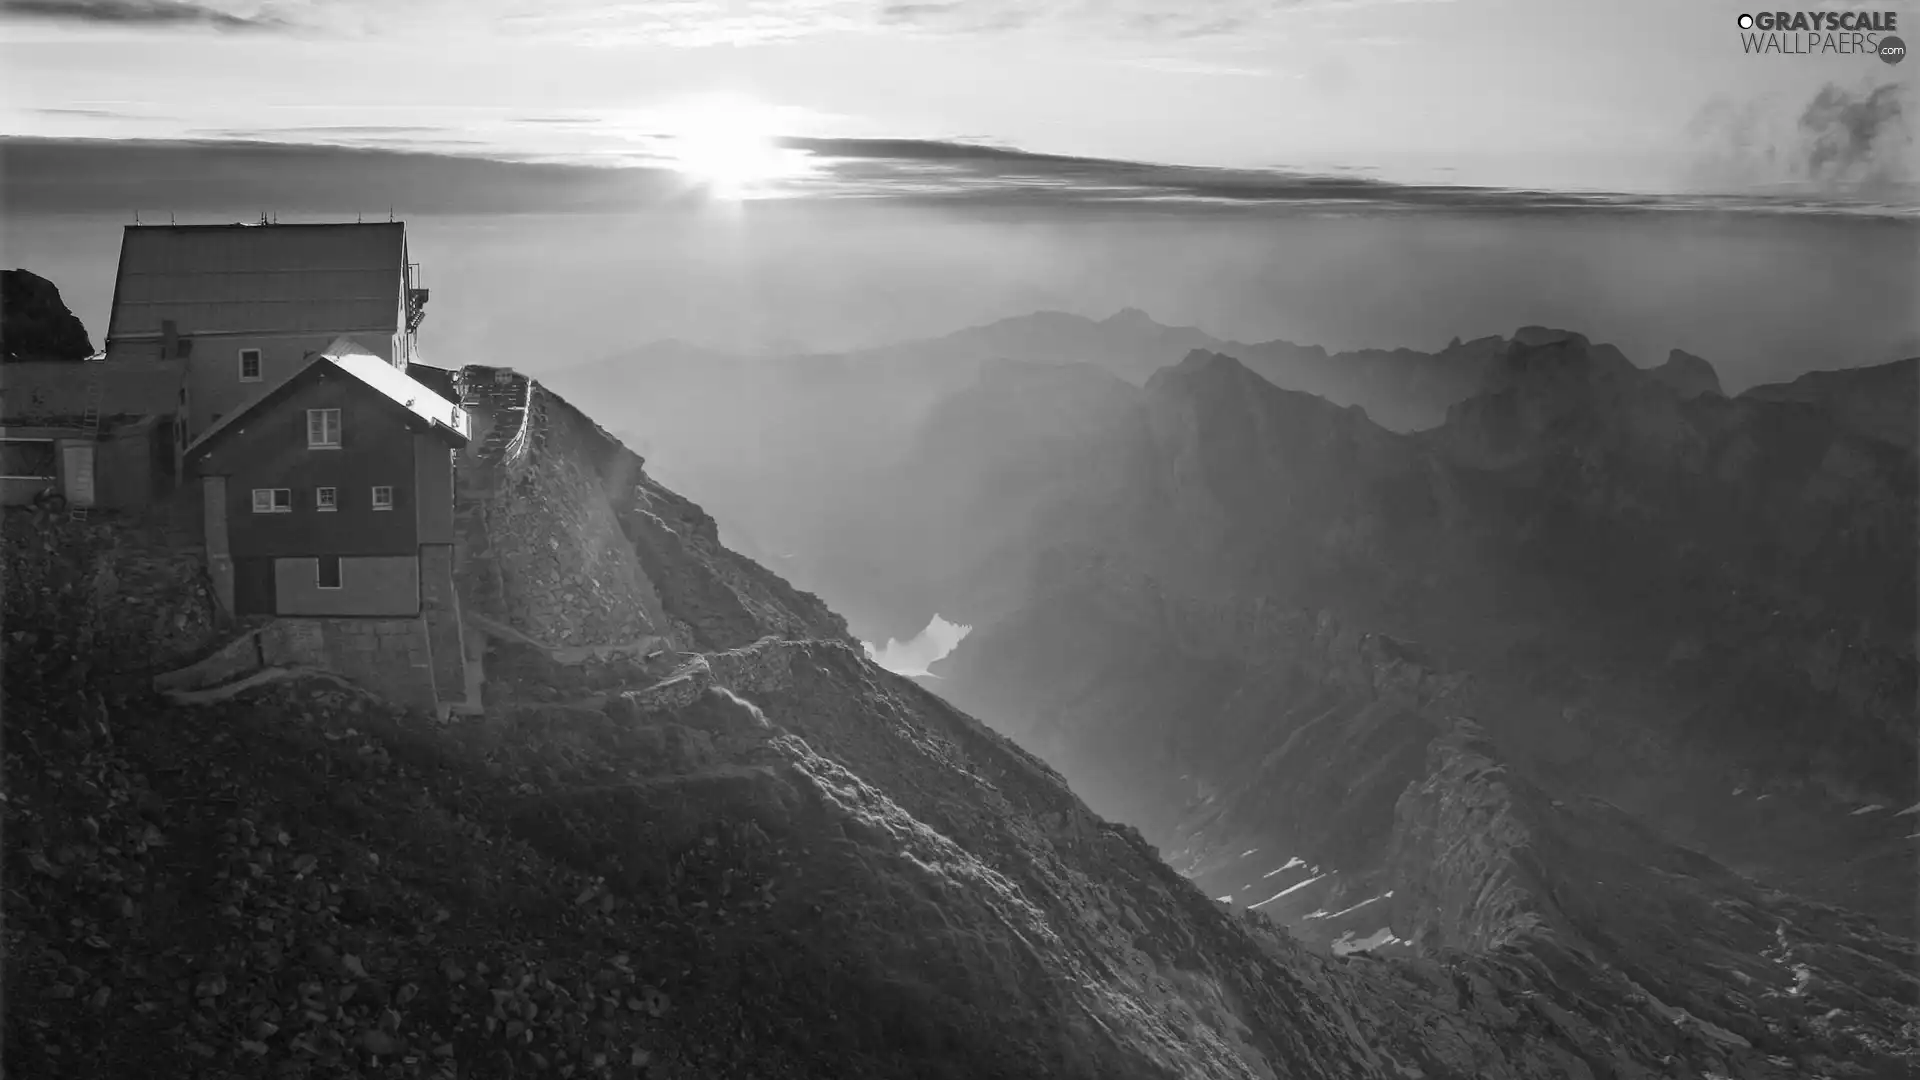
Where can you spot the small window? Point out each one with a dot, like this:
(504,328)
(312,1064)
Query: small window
(383,497)
(323,429)
(249,365)
(326,498)
(328,576)
(273,500)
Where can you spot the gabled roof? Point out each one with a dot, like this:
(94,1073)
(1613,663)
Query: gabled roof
(423,406)
(286,279)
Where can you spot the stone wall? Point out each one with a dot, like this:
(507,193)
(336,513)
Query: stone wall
(440,608)
(391,657)
(567,570)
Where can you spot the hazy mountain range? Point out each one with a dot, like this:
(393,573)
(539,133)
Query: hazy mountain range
(1661,595)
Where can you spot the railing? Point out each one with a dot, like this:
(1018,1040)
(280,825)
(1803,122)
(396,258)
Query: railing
(515,455)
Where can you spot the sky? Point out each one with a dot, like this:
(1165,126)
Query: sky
(826,174)
(1637,95)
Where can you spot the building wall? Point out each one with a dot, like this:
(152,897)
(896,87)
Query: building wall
(433,487)
(271,452)
(376,586)
(132,465)
(214,388)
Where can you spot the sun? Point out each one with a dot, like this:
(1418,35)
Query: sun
(729,146)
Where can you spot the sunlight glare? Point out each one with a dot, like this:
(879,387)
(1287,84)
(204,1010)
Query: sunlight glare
(730,146)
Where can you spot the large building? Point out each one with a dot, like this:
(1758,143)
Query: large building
(244,307)
(332,494)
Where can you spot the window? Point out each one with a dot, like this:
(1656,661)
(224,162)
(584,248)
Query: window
(328,575)
(249,365)
(28,459)
(326,498)
(273,500)
(383,497)
(323,429)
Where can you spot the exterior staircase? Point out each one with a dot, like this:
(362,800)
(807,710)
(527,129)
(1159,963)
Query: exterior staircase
(81,493)
(496,403)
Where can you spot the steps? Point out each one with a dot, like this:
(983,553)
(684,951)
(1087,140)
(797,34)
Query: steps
(90,418)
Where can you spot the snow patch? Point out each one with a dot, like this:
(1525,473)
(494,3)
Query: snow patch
(1285,891)
(1381,937)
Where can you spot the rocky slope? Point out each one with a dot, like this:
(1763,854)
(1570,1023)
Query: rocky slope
(304,882)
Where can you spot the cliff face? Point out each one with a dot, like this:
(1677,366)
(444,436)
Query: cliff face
(1638,581)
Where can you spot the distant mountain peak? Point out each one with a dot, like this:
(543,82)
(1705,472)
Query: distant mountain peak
(1130,317)
(1539,358)
(1688,374)
(1207,363)
(1537,336)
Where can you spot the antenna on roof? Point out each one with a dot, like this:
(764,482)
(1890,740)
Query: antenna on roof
(169,217)
(359,218)
(136,217)
(389,215)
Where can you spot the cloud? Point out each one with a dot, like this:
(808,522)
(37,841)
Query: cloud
(1153,20)
(1840,141)
(442,175)
(156,13)
(1174,65)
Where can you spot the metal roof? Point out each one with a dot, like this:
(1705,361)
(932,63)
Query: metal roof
(277,279)
(349,356)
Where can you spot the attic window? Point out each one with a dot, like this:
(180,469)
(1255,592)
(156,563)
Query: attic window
(273,500)
(323,429)
(249,365)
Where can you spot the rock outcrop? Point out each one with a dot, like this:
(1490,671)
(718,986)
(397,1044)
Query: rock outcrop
(1688,375)
(35,324)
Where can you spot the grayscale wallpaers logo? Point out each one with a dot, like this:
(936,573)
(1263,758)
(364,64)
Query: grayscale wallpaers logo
(1819,33)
